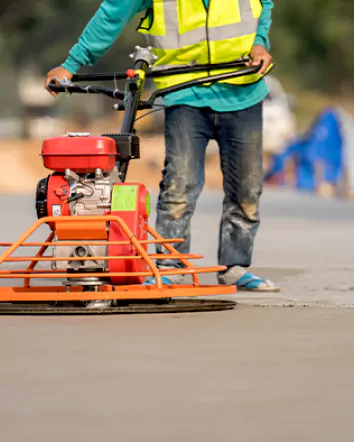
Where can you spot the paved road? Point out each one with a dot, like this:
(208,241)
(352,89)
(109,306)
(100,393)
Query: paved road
(252,374)
(305,244)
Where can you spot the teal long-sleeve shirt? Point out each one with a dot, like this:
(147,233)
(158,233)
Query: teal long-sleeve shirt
(110,20)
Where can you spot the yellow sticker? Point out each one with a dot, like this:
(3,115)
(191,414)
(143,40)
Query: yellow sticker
(148,203)
(124,198)
(141,74)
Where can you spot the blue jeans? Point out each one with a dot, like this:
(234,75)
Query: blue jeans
(239,136)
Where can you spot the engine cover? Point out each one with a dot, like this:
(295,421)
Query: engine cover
(79,153)
(130,202)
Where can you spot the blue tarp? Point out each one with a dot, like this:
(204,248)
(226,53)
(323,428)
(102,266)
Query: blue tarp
(322,144)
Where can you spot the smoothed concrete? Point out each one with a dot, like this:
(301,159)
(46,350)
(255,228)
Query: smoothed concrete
(253,374)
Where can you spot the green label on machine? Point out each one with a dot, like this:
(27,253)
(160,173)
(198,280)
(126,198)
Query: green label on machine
(124,198)
(148,203)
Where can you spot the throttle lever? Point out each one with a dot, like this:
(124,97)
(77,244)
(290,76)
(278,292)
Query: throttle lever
(143,105)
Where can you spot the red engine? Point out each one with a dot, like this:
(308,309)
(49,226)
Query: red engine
(82,185)
(81,154)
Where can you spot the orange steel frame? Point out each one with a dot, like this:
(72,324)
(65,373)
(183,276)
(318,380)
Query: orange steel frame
(27,293)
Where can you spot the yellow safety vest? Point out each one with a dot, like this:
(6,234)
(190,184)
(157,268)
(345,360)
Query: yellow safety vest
(184,31)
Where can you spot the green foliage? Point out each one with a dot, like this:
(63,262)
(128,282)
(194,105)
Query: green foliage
(41,32)
(312,43)
(311,39)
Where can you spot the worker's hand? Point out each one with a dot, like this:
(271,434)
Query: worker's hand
(58,73)
(260,55)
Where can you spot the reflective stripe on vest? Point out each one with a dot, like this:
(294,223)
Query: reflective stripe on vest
(184,31)
(175,40)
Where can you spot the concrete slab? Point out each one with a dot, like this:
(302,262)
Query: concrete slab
(248,375)
(252,374)
(305,244)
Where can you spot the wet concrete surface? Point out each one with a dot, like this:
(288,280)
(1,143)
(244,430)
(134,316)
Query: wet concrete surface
(305,244)
(251,374)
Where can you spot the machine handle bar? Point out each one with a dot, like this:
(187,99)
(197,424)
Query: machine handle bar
(117,94)
(162,71)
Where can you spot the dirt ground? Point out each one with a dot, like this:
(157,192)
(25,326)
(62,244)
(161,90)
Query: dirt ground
(21,166)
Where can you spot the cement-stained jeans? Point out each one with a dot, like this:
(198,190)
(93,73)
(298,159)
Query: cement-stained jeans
(239,137)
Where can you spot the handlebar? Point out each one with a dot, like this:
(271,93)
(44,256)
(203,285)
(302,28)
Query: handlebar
(154,73)
(129,100)
(77,89)
(161,71)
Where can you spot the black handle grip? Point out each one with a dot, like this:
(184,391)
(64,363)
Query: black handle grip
(78,89)
(119,95)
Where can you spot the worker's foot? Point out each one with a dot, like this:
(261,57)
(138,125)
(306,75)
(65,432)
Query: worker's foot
(247,281)
(152,281)
(251,282)
(174,279)
(99,304)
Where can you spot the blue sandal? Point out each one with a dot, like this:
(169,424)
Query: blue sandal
(152,281)
(251,282)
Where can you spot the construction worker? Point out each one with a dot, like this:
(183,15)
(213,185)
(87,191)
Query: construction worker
(202,31)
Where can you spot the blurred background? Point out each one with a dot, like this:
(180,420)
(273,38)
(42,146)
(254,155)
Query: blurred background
(308,115)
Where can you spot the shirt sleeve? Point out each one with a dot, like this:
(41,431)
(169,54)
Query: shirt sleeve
(102,31)
(265,21)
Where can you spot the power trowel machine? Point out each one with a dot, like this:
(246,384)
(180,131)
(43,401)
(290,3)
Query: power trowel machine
(99,236)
